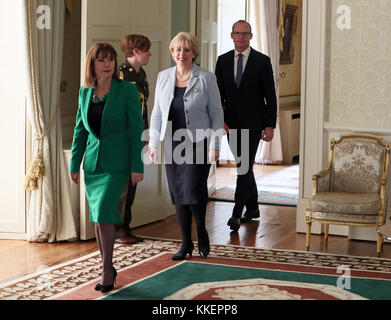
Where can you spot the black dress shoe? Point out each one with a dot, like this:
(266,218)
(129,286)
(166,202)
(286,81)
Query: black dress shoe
(102,288)
(248,215)
(181,254)
(234,223)
(204,252)
(109,287)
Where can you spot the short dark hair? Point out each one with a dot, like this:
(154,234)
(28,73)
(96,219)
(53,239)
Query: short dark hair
(134,41)
(95,51)
(241,21)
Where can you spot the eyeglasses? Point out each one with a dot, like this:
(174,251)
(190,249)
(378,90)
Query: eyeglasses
(241,34)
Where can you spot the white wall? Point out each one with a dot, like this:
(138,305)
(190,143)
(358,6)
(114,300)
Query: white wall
(325,78)
(12,121)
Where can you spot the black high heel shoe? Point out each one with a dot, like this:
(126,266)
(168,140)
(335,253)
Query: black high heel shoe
(204,252)
(102,288)
(181,254)
(203,244)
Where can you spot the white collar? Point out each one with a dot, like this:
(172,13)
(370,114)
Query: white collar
(245,52)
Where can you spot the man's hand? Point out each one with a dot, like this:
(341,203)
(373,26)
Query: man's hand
(226,128)
(267,134)
(213,155)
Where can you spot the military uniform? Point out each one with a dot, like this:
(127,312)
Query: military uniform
(128,73)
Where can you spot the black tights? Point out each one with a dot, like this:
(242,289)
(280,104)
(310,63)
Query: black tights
(185,213)
(105,239)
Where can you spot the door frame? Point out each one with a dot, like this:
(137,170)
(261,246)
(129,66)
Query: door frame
(312,104)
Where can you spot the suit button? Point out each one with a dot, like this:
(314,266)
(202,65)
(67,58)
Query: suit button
(185,100)
(187,111)
(188,122)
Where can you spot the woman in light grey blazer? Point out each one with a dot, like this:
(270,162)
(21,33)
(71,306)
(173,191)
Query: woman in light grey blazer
(188,117)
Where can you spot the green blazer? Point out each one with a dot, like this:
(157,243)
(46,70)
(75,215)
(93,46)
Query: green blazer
(119,145)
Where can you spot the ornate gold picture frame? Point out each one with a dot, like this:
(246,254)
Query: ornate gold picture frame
(290,26)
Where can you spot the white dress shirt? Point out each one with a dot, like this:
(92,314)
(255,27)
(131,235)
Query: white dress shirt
(245,54)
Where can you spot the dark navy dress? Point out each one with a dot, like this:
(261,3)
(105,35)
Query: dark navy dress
(186,162)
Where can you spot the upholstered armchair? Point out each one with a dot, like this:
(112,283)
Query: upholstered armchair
(352,190)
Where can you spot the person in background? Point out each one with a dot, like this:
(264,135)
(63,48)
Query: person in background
(108,134)
(248,95)
(136,49)
(186,99)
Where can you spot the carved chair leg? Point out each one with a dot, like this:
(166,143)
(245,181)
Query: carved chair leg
(379,244)
(308,235)
(326,233)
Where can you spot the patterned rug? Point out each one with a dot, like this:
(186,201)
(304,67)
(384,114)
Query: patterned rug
(277,188)
(146,272)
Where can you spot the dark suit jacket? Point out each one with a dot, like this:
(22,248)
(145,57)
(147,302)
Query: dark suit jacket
(254,104)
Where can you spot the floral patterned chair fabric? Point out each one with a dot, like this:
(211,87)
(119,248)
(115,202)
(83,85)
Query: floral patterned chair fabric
(352,190)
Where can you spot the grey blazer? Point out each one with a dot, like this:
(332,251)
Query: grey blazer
(202,106)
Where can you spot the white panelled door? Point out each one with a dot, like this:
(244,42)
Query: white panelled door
(109,21)
(206,32)
(153,19)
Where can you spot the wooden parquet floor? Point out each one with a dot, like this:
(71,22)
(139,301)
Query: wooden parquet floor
(276,228)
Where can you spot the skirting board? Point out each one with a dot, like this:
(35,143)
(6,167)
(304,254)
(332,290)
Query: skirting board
(13,236)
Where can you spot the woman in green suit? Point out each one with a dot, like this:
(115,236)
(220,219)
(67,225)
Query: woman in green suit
(108,134)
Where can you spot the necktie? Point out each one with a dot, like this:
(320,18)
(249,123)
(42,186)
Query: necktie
(239,70)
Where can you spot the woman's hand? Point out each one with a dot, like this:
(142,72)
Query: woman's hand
(74,177)
(152,154)
(213,155)
(136,177)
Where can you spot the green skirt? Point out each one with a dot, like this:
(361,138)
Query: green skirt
(103,192)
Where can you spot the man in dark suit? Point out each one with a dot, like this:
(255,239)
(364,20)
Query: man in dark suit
(246,84)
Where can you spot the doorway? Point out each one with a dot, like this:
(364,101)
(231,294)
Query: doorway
(289,84)
(228,12)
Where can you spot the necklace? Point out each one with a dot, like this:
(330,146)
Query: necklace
(183,78)
(99,100)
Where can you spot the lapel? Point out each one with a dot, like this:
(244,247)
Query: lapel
(171,85)
(111,98)
(193,79)
(87,105)
(248,64)
(230,67)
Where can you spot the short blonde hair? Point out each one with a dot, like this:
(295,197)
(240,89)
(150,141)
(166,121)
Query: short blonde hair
(187,40)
